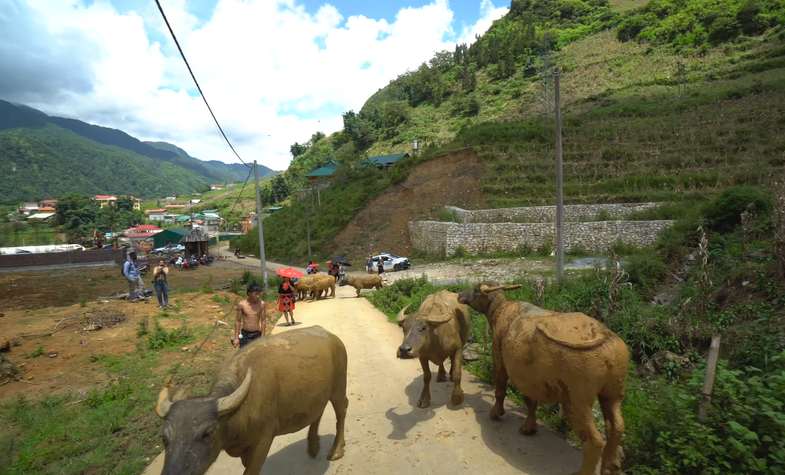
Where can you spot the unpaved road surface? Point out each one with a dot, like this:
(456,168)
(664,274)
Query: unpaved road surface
(385,432)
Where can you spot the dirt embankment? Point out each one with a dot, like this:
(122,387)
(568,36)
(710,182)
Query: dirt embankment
(451,179)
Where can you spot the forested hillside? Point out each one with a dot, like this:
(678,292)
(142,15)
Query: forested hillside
(662,100)
(43,156)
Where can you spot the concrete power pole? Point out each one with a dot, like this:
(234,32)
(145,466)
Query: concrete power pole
(559,184)
(308,222)
(260,226)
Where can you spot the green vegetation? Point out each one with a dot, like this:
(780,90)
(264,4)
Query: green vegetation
(112,428)
(46,157)
(20,233)
(80,215)
(737,293)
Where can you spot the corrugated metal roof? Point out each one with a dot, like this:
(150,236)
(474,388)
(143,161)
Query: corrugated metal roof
(387,160)
(326,170)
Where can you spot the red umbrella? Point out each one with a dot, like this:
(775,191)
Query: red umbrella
(289,272)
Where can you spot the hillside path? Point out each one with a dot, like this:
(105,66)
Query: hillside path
(385,432)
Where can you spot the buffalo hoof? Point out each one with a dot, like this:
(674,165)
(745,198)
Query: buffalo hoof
(423,403)
(497,412)
(457,399)
(441,377)
(335,454)
(528,430)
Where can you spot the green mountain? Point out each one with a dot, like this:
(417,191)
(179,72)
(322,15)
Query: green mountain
(44,156)
(229,172)
(667,100)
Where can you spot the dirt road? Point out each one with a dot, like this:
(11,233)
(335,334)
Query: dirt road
(385,432)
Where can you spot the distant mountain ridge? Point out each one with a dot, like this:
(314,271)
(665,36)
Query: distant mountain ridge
(95,159)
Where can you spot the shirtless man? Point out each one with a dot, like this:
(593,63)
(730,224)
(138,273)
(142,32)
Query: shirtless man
(251,317)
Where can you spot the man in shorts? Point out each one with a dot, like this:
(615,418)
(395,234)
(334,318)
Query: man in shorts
(251,317)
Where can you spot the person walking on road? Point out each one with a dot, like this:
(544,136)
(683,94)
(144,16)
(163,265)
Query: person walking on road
(380,267)
(286,300)
(160,284)
(251,320)
(134,278)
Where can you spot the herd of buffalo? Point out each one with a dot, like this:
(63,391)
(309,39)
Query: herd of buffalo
(282,383)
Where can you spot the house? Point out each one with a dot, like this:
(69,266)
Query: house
(105,200)
(170,236)
(209,221)
(141,237)
(195,201)
(322,173)
(386,161)
(50,203)
(137,203)
(158,214)
(28,208)
(46,209)
(170,198)
(216,187)
(174,207)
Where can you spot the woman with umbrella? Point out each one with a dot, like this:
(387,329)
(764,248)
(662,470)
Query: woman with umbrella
(286,294)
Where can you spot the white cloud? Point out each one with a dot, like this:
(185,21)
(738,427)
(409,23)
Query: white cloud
(273,72)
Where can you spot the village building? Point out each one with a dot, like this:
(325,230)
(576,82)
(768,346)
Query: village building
(141,237)
(216,187)
(105,200)
(49,203)
(322,174)
(42,216)
(170,198)
(28,208)
(175,207)
(386,161)
(171,236)
(158,214)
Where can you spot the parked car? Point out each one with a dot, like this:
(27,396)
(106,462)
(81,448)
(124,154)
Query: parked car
(390,262)
(169,249)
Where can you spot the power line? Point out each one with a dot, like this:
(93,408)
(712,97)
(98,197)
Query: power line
(239,195)
(157,2)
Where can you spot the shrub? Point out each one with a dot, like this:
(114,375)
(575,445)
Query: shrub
(161,338)
(646,269)
(724,213)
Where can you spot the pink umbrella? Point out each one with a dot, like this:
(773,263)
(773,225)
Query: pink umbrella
(289,272)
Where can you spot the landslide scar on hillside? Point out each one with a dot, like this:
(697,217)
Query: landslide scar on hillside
(451,179)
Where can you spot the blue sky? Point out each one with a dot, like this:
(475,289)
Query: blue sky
(274,71)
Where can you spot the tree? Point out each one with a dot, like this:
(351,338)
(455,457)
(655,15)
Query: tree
(317,136)
(298,149)
(358,129)
(279,188)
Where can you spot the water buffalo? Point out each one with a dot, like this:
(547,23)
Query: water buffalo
(569,358)
(438,330)
(315,285)
(276,385)
(362,282)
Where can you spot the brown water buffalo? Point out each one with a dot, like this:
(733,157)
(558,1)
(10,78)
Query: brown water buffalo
(362,282)
(437,331)
(276,385)
(315,285)
(569,358)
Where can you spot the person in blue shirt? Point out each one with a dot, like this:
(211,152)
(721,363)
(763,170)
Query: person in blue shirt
(134,278)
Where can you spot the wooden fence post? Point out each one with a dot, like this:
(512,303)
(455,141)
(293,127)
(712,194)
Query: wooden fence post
(711,372)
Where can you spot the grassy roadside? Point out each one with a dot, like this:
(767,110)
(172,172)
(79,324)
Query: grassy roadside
(735,293)
(111,428)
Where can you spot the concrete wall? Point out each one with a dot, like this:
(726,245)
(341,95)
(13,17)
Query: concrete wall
(485,238)
(61,258)
(547,214)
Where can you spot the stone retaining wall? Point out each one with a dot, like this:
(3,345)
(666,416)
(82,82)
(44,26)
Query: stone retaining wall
(442,238)
(547,214)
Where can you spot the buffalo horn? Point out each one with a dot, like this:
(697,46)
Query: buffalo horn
(164,403)
(402,315)
(231,402)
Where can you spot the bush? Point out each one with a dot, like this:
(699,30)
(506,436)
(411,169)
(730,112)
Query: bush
(161,338)
(724,213)
(646,269)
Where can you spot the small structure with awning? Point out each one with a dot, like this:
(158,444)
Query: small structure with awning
(322,173)
(170,236)
(196,243)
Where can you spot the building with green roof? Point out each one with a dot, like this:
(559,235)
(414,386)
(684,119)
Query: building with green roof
(385,161)
(322,173)
(170,236)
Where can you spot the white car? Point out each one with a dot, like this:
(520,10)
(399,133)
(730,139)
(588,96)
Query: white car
(390,262)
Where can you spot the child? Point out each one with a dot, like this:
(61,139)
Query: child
(251,317)
(286,300)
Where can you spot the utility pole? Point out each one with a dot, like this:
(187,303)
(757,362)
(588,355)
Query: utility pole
(260,226)
(559,184)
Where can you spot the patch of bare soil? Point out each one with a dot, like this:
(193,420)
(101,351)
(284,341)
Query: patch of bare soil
(57,349)
(452,179)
